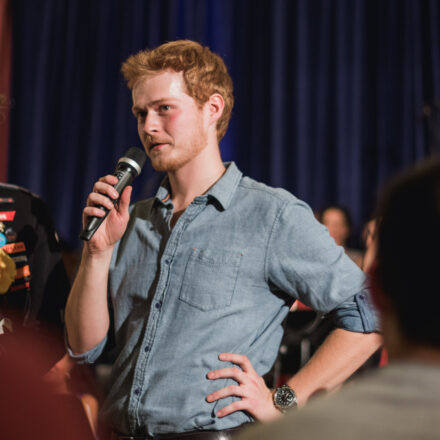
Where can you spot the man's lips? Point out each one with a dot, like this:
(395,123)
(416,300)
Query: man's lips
(156,146)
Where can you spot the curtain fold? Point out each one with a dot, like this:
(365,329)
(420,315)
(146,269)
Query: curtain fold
(332,96)
(5,83)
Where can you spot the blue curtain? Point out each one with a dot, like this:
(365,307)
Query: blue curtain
(332,96)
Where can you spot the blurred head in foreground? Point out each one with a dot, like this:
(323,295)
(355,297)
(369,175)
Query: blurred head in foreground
(405,278)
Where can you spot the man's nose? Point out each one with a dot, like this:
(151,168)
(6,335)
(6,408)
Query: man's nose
(151,123)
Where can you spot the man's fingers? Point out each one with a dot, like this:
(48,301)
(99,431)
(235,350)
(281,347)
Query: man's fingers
(239,405)
(231,390)
(110,179)
(106,189)
(93,211)
(96,199)
(229,373)
(238,359)
(254,395)
(124,201)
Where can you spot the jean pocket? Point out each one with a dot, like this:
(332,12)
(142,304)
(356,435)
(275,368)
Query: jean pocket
(210,278)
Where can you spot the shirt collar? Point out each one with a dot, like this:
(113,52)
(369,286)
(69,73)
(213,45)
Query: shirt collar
(222,191)
(163,194)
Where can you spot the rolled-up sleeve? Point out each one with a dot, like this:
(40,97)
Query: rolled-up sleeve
(88,357)
(303,260)
(357,314)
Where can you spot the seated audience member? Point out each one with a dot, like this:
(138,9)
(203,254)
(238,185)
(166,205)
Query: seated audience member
(401,400)
(33,299)
(369,240)
(337,219)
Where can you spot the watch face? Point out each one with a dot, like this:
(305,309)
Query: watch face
(285,397)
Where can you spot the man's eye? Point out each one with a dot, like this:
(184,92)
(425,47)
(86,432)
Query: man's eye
(141,115)
(164,108)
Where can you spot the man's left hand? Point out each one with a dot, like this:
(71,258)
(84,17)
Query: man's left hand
(256,398)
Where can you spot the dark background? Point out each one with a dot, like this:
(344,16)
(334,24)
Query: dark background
(332,96)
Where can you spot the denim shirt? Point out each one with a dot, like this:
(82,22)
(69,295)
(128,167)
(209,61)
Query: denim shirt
(221,280)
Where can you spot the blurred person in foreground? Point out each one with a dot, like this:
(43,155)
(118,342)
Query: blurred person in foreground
(194,283)
(402,400)
(30,407)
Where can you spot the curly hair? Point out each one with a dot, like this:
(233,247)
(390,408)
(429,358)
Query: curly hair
(204,73)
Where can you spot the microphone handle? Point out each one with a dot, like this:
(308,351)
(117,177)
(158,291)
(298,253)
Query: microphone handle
(93,223)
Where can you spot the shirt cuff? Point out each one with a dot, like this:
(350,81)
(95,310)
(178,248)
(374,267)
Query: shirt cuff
(359,315)
(88,357)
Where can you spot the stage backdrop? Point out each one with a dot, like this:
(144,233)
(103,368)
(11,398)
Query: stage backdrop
(331,96)
(5,83)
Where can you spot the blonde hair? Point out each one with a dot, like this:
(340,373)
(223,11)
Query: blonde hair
(204,73)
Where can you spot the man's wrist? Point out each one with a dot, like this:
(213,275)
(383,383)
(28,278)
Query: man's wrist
(92,256)
(284,398)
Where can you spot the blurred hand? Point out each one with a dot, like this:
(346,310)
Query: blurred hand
(58,377)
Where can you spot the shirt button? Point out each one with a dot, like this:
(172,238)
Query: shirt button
(147,349)
(137,391)
(158,305)
(167,261)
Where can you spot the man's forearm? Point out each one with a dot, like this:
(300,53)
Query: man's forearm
(340,355)
(87,318)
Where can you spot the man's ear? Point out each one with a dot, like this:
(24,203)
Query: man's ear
(215,106)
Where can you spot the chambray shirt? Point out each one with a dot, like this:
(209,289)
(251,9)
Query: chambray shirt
(221,280)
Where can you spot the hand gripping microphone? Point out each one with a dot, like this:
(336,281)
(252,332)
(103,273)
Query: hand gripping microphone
(129,166)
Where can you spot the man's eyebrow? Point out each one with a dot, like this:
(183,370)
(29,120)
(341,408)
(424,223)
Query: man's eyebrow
(155,102)
(136,109)
(159,101)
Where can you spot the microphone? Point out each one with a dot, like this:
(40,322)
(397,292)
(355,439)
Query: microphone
(129,166)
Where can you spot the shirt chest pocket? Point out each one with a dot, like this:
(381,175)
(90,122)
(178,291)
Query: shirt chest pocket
(210,278)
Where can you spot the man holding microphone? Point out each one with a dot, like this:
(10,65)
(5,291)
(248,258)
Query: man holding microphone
(195,282)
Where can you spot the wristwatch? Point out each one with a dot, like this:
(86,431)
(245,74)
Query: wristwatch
(284,397)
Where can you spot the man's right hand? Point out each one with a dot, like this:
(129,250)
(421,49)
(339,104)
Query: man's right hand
(113,227)
(87,316)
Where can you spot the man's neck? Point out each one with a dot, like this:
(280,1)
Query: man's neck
(195,178)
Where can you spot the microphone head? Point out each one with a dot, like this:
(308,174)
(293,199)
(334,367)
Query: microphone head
(135,157)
